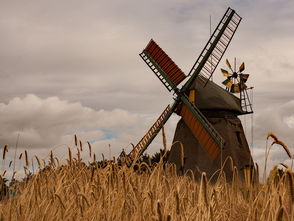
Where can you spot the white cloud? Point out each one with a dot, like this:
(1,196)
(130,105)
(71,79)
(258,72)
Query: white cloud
(42,123)
(45,124)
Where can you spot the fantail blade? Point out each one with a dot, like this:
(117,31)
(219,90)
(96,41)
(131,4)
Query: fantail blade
(244,77)
(242,67)
(228,83)
(225,72)
(235,88)
(229,65)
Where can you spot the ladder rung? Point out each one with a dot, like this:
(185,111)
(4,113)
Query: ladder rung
(220,46)
(233,23)
(209,65)
(225,40)
(215,56)
(228,35)
(232,20)
(221,41)
(209,71)
(217,52)
(224,34)
(204,74)
(230,28)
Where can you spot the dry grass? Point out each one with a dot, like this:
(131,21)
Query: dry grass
(77,191)
(80,191)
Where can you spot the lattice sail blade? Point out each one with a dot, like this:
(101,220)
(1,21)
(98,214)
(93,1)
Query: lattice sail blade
(151,133)
(215,48)
(203,131)
(162,65)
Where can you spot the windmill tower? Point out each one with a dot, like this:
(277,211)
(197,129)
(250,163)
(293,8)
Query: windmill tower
(221,108)
(204,129)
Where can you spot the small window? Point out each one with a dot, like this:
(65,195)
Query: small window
(238,134)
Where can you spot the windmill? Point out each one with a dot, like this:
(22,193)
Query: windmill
(200,137)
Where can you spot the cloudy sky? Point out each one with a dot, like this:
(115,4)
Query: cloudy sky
(72,67)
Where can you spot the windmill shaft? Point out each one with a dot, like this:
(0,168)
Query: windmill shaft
(215,47)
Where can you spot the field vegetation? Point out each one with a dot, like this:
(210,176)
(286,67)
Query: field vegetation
(145,190)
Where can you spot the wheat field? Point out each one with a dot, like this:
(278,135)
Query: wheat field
(77,191)
(145,190)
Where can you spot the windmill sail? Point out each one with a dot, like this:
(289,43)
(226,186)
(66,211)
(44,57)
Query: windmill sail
(203,131)
(151,133)
(215,48)
(163,66)
(170,75)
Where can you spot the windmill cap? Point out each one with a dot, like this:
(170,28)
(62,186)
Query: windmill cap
(214,97)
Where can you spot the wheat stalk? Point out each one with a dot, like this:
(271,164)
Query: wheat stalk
(290,186)
(69,156)
(164,139)
(267,151)
(38,161)
(203,190)
(52,159)
(27,159)
(90,148)
(76,140)
(79,155)
(272,136)
(182,158)
(81,146)
(257,172)
(5,150)
(177,202)
(84,197)
(159,212)
(284,147)
(281,213)
(60,200)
